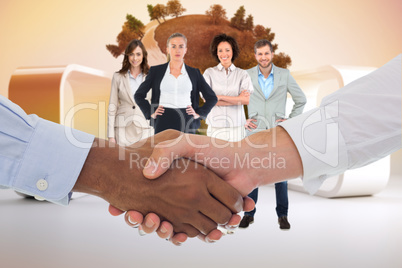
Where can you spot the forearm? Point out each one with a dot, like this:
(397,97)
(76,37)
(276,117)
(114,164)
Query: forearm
(224,100)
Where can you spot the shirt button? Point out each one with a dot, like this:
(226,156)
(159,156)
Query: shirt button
(39,198)
(41,185)
(133,107)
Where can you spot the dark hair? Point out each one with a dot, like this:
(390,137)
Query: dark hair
(130,47)
(262,43)
(224,38)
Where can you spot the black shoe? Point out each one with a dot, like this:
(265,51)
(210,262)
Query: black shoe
(246,221)
(283,223)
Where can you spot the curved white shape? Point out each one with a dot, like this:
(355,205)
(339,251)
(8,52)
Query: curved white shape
(73,95)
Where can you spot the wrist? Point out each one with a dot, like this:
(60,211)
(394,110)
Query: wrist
(275,157)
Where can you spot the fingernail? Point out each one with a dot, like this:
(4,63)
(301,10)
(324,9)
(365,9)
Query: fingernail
(141,232)
(239,206)
(150,167)
(163,230)
(231,227)
(210,240)
(134,223)
(149,223)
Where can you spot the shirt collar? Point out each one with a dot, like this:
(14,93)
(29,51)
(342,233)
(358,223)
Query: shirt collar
(183,69)
(232,67)
(271,73)
(131,76)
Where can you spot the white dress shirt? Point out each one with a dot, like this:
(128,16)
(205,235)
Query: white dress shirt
(355,126)
(176,92)
(135,82)
(228,84)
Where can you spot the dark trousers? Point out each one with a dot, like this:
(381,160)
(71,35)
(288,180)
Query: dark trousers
(176,119)
(282,203)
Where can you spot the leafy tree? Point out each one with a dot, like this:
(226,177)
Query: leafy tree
(151,12)
(261,32)
(174,8)
(131,29)
(135,25)
(249,25)
(238,19)
(160,11)
(217,13)
(157,12)
(282,60)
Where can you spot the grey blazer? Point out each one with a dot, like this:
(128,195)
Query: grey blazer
(267,111)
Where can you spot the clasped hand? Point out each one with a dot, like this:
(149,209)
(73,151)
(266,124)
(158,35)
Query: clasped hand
(189,199)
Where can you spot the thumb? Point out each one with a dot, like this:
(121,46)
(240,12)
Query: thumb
(163,155)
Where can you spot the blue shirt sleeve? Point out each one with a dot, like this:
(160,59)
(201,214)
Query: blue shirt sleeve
(39,157)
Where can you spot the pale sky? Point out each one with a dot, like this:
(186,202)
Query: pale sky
(313,32)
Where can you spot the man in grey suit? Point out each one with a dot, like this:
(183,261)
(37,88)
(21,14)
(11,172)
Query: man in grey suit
(266,108)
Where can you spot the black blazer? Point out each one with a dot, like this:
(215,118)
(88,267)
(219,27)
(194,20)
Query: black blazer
(154,79)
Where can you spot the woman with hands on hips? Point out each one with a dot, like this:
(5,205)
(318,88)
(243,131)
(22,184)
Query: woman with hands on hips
(126,123)
(176,89)
(232,86)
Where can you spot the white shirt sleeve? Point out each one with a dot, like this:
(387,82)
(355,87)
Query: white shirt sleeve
(39,157)
(355,126)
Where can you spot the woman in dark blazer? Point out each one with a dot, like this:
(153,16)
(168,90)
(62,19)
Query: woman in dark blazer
(176,90)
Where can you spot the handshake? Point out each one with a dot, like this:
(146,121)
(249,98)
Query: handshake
(185,185)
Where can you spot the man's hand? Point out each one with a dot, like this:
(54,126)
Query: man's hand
(189,196)
(266,157)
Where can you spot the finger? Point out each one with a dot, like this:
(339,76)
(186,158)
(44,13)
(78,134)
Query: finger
(165,230)
(163,151)
(233,222)
(179,239)
(212,237)
(226,194)
(151,223)
(133,218)
(248,204)
(115,211)
(203,223)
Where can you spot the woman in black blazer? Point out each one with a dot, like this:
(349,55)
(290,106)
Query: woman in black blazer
(176,90)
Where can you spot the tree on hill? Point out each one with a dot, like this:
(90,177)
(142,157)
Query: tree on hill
(135,25)
(174,8)
(282,60)
(249,25)
(217,13)
(131,29)
(151,12)
(238,19)
(159,11)
(260,32)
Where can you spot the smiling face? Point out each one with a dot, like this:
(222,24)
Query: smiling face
(135,57)
(264,56)
(225,53)
(177,48)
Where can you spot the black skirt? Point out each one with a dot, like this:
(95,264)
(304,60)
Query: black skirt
(176,119)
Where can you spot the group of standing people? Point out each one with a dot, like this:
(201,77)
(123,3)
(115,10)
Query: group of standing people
(145,101)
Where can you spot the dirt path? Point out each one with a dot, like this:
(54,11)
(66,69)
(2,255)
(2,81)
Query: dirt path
(155,55)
